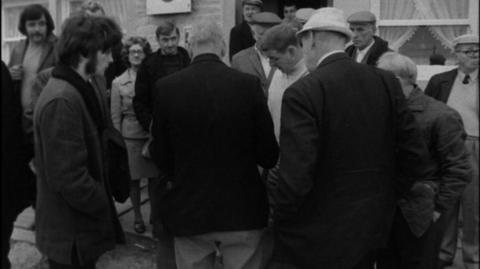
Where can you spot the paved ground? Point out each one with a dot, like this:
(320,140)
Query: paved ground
(140,252)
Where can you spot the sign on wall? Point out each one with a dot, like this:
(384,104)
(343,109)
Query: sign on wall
(168,6)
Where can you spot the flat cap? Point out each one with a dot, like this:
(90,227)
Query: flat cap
(328,19)
(465,39)
(303,14)
(362,17)
(257,3)
(265,18)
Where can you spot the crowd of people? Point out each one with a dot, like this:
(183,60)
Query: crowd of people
(314,148)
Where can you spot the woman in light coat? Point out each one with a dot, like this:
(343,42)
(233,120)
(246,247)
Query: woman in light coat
(135,49)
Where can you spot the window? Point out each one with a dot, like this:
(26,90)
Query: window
(415,27)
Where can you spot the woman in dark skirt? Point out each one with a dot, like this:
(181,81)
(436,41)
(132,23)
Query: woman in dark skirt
(135,49)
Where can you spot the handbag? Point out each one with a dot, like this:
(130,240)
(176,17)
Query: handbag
(118,170)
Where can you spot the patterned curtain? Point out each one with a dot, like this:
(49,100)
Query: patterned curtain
(445,9)
(423,9)
(397,10)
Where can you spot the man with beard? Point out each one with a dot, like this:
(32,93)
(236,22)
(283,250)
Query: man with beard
(367,47)
(76,218)
(28,58)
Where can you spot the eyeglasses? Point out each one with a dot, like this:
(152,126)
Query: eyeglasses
(468,52)
(132,52)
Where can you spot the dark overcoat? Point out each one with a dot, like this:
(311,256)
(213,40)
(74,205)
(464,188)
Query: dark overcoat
(378,48)
(74,204)
(211,128)
(440,85)
(339,142)
(241,37)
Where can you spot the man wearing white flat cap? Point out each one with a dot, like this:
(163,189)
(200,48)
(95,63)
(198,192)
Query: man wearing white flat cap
(458,88)
(343,129)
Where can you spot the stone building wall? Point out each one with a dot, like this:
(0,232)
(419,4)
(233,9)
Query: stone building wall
(221,11)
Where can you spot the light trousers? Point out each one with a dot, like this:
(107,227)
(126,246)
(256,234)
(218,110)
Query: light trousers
(234,250)
(468,203)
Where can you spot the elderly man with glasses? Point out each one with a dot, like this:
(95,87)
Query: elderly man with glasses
(458,88)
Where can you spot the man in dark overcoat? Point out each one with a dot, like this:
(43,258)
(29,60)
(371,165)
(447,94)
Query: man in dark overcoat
(345,128)
(367,47)
(211,128)
(76,221)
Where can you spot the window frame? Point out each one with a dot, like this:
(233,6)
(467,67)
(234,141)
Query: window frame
(471,21)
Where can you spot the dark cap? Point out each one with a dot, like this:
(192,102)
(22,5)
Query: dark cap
(268,18)
(257,3)
(362,17)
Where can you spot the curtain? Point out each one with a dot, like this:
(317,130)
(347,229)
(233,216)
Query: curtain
(397,9)
(445,9)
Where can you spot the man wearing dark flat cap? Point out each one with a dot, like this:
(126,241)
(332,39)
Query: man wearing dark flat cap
(251,60)
(241,36)
(367,47)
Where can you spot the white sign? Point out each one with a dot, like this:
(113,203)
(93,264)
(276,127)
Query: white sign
(168,6)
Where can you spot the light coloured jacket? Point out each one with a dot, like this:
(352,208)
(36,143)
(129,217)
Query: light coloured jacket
(123,115)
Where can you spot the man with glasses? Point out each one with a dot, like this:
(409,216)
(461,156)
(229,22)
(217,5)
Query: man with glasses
(458,88)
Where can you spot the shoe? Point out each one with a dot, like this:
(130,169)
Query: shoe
(139,227)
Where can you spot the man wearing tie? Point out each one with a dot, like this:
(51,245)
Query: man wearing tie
(458,88)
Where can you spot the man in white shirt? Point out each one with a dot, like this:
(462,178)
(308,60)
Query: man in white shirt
(283,50)
(366,47)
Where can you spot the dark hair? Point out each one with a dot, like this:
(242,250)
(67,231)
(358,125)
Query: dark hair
(35,12)
(84,35)
(134,40)
(166,28)
(289,3)
(278,38)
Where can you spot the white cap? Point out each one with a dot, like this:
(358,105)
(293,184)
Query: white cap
(328,19)
(465,39)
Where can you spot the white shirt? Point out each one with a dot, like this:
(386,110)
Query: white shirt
(328,54)
(464,99)
(280,82)
(361,53)
(265,62)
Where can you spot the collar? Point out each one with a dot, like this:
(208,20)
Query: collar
(367,47)
(299,68)
(415,100)
(328,54)
(260,54)
(473,75)
(206,57)
(124,78)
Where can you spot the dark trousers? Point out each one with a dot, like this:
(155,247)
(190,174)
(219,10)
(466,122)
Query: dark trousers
(405,250)
(11,207)
(75,263)
(55,265)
